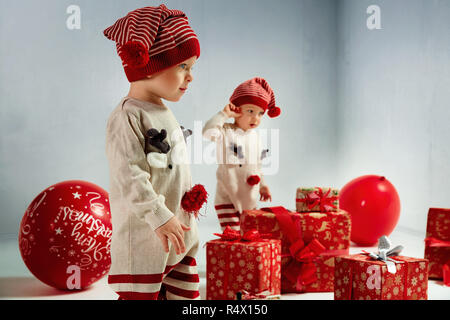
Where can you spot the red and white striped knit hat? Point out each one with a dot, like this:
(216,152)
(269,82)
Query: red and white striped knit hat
(258,92)
(152,39)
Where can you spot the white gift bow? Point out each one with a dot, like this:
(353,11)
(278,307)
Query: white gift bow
(384,253)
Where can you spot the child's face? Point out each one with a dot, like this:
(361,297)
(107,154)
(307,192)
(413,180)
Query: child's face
(170,84)
(250,117)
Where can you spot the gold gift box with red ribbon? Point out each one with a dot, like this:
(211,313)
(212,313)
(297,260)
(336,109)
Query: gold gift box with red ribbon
(237,264)
(309,242)
(317,199)
(437,244)
(360,277)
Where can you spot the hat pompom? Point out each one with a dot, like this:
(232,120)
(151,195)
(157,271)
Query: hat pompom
(134,54)
(274,112)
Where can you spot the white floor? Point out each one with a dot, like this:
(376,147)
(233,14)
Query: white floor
(16,282)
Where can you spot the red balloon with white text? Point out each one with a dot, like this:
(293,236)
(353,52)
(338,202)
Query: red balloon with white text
(374,207)
(65,235)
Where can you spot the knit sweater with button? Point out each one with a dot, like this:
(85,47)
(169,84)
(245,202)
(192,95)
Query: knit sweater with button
(146,186)
(238,157)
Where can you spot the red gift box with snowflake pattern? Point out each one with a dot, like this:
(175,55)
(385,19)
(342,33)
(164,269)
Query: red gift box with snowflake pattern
(359,277)
(331,229)
(236,266)
(437,242)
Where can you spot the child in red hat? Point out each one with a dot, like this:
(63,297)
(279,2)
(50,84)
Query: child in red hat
(239,177)
(154,240)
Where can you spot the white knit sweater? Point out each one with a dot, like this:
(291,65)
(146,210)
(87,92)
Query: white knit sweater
(145,187)
(238,156)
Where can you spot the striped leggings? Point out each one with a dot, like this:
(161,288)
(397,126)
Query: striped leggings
(228,216)
(177,282)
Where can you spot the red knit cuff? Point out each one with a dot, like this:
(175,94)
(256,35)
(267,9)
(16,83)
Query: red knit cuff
(165,60)
(250,100)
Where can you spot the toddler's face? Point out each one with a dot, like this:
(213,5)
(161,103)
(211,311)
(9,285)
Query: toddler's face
(170,84)
(250,117)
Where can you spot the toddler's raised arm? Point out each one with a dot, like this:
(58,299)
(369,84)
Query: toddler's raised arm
(213,128)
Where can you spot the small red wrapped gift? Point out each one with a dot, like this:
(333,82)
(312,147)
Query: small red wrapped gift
(437,244)
(309,242)
(380,276)
(317,199)
(238,264)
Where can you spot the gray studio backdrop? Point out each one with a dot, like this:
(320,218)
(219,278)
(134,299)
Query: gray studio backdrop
(354,100)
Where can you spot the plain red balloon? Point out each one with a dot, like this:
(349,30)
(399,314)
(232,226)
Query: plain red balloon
(374,207)
(65,235)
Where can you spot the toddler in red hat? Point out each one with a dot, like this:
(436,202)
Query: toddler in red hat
(239,177)
(154,239)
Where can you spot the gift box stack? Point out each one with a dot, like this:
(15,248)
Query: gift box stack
(380,276)
(309,239)
(437,244)
(242,267)
(307,250)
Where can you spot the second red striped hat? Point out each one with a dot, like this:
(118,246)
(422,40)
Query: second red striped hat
(258,92)
(152,39)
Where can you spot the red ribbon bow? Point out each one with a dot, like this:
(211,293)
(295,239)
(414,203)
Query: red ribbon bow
(302,270)
(235,235)
(320,198)
(303,253)
(303,264)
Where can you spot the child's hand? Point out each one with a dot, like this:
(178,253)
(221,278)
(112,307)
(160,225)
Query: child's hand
(265,194)
(232,111)
(172,230)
